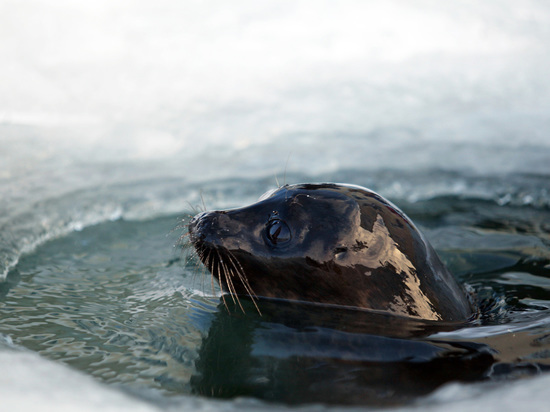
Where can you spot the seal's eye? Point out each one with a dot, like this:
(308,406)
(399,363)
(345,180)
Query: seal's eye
(277,232)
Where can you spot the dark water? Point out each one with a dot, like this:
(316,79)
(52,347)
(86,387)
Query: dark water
(120,301)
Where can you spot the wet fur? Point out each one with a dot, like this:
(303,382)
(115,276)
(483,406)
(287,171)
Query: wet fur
(407,279)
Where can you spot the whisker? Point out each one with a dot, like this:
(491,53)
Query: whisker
(240,273)
(200,268)
(286,167)
(238,269)
(188,254)
(194,257)
(184,237)
(212,283)
(224,267)
(231,272)
(205,269)
(204,256)
(230,286)
(183,240)
(182,222)
(220,282)
(185,247)
(202,200)
(200,254)
(195,208)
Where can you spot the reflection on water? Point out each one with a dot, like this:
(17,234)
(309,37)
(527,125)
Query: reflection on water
(298,353)
(117,302)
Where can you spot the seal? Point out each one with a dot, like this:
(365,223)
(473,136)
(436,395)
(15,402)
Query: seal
(334,244)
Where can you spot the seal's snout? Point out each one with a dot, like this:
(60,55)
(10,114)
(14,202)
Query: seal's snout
(196,227)
(193,222)
(205,227)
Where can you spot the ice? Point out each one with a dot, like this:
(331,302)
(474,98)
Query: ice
(32,382)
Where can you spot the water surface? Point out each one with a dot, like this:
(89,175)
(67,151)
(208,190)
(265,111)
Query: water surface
(122,302)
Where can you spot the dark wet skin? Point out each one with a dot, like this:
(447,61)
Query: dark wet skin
(332,244)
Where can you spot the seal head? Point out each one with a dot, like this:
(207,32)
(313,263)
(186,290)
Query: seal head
(331,244)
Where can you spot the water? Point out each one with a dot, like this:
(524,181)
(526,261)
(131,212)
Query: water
(118,301)
(117,119)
